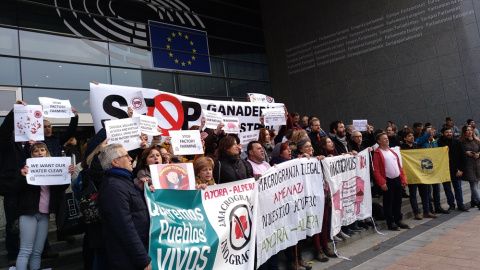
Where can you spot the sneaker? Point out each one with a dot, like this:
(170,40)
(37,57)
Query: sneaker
(418,217)
(441,210)
(349,231)
(393,227)
(451,208)
(429,215)
(343,235)
(321,256)
(304,265)
(337,239)
(355,228)
(402,225)
(329,252)
(463,209)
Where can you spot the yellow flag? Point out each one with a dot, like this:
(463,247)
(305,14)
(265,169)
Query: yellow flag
(426,165)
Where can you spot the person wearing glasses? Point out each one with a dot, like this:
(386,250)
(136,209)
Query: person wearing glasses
(124,212)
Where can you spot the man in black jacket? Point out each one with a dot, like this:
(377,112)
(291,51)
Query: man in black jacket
(12,159)
(338,137)
(457,162)
(124,212)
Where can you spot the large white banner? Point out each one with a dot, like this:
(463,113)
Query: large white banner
(348,177)
(174,112)
(292,202)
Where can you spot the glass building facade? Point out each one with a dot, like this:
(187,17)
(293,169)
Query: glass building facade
(55,48)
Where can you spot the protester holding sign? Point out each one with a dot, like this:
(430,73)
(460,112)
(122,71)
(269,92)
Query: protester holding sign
(390,177)
(264,139)
(34,207)
(148,157)
(12,159)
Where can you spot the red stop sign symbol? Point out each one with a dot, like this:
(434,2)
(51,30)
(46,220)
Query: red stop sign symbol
(170,112)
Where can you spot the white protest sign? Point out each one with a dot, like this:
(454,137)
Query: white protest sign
(246,137)
(124,131)
(48,171)
(56,108)
(231,125)
(253,97)
(291,200)
(173,176)
(360,125)
(173,112)
(148,125)
(28,122)
(274,117)
(212,119)
(349,180)
(186,142)
(137,103)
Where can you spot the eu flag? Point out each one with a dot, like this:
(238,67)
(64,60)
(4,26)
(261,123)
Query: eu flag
(179,48)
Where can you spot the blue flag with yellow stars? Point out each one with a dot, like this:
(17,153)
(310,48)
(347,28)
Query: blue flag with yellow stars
(179,48)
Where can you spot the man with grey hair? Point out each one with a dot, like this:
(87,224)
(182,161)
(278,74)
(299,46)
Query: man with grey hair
(124,212)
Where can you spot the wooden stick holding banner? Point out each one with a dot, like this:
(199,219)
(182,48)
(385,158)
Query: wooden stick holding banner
(124,131)
(47,171)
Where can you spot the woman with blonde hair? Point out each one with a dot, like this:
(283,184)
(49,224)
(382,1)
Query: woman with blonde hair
(35,203)
(203,169)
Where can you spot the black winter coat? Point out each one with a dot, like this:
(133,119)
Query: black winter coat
(456,154)
(230,168)
(12,157)
(126,222)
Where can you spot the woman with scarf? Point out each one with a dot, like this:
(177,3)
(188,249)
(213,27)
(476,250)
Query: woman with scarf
(471,144)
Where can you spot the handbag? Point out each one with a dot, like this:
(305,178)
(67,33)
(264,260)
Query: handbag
(87,199)
(68,219)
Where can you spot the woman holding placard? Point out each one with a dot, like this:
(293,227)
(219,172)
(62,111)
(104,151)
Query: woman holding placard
(35,203)
(203,168)
(149,157)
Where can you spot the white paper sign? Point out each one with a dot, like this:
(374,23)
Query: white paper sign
(56,108)
(274,117)
(212,119)
(360,125)
(173,176)
(231,125)
(186,142)
(149,125)
(124,131)
(253,97)
(136,102)
(48,171)
(246,137)
(28,122)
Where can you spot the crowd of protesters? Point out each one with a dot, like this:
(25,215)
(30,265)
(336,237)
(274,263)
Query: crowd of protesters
(120,239)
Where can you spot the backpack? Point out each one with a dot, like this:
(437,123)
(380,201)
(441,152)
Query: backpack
(85,193)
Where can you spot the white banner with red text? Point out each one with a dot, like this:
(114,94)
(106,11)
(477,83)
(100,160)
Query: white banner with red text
(292,202)
(348,177)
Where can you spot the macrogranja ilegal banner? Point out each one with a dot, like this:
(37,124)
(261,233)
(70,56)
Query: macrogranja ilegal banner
(213,228)
(348,177)
(292,203)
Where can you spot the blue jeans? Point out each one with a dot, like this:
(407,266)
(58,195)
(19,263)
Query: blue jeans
(424,196)
(33,232)
(474,189)
(457,188)
(11,237)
